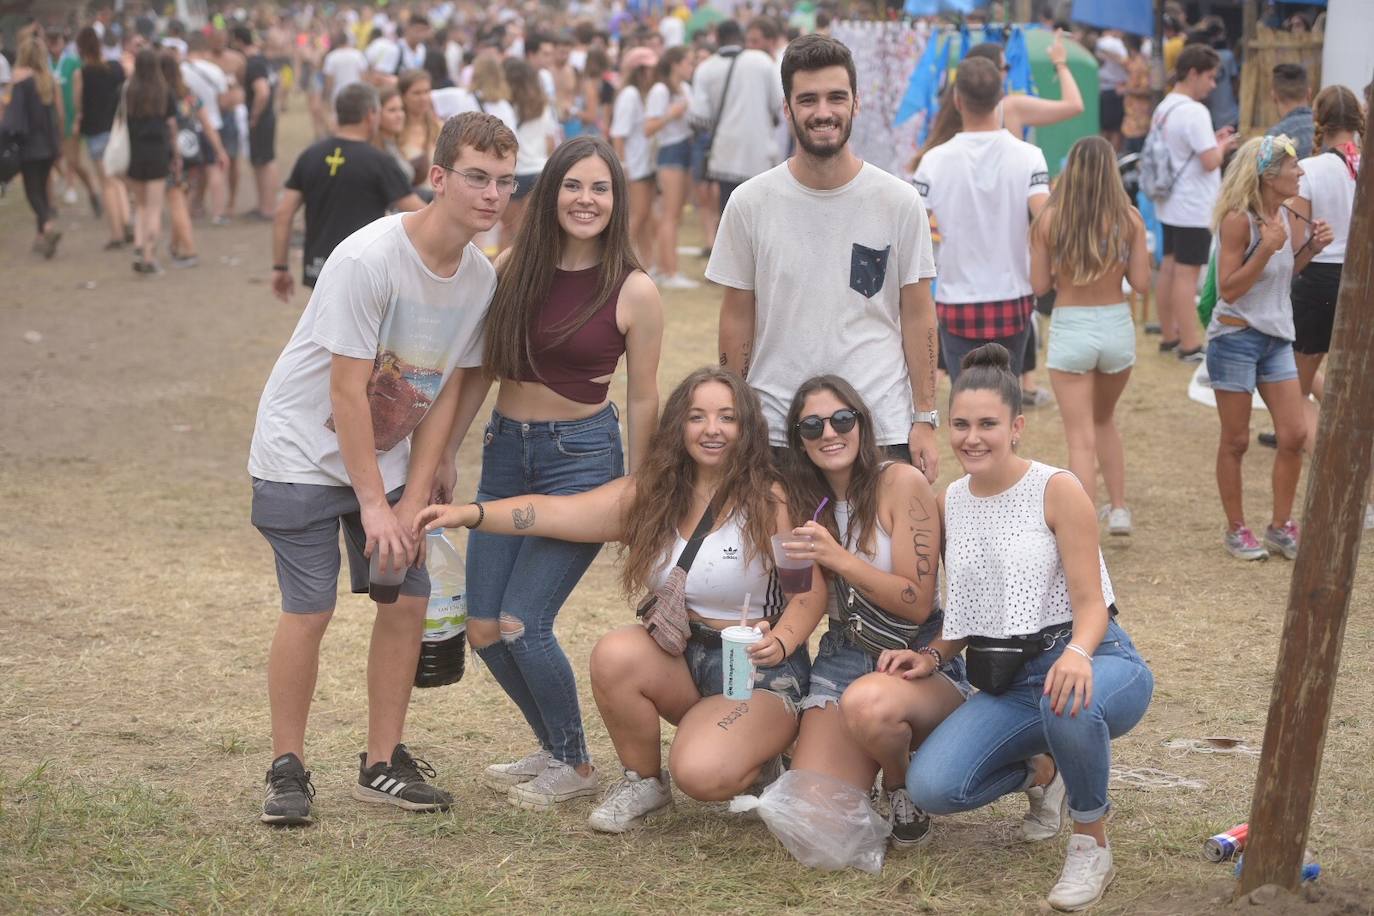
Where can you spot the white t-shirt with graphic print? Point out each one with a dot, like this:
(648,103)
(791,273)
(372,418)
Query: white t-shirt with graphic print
(374,300)
(827,270)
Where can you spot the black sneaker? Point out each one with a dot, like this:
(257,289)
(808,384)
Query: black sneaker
(910,825)
(288,793)
(1269,440)
(400,783)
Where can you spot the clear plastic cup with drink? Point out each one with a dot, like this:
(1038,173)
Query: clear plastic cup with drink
(793,575)
(384,585)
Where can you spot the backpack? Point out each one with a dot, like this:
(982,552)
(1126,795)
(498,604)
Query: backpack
(1157,173)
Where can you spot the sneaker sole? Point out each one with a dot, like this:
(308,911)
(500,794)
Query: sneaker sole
(1249,557)
(287,820)
(1276,550)
(531,802)
(635,824)
(372,796)
(1077,907)
(911,844)
(1119,532)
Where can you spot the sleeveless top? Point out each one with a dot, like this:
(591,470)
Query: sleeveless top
(594,351)
(1002,566)
(721,576)
(1267,306)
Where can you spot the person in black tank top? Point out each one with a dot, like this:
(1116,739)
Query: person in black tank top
(571,299)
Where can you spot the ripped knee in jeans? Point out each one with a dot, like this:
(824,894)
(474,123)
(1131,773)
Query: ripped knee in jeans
(512,628)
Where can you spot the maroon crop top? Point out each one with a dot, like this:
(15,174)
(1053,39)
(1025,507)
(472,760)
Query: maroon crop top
(593,351)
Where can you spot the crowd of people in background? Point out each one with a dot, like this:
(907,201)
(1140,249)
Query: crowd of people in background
(533,166)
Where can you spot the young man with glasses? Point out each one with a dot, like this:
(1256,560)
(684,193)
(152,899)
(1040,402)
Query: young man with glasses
(359,425)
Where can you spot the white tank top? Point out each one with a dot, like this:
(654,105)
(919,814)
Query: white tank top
(1267,306)
(881,558)
(721,576)
(1002,565)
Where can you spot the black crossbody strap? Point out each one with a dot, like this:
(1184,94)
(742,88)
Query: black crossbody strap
(689,552)
(720,106)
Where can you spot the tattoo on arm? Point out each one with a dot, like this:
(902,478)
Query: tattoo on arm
(723,360)
(932,360)
(523,518)
(908,595)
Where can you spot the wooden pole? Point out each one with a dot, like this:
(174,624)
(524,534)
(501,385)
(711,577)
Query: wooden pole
(1319,597)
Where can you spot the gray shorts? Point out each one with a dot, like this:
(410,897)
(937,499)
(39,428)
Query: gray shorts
(301,522)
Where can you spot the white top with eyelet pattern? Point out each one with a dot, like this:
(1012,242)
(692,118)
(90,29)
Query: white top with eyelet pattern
(1003,573)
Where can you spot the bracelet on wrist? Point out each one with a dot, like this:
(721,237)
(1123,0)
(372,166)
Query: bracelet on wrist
(1079,649)
(283,267)
(481,515)
(933,653)
(782,645)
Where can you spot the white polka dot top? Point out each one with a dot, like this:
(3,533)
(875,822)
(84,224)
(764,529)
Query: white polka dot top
(1002,567)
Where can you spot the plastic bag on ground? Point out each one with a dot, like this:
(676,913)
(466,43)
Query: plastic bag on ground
(824,822)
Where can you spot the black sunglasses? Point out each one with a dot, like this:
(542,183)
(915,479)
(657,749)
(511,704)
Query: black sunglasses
(842,421)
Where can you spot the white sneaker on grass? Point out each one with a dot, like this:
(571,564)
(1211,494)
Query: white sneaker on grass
(632,801)
(1119,521)
(557,784)
(1049,806)
(678,281)
(502,776)
(1087,871)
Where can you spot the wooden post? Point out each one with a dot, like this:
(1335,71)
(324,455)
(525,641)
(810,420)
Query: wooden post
(1319,597)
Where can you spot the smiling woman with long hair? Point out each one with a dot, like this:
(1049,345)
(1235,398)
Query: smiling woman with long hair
(570,301)
(709,454)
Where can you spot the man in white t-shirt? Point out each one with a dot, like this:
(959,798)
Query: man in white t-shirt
(1196,152)
(342,66)
(983,188)
(749,107)
(826,262)
(359,425)
(209,83)
(383,56)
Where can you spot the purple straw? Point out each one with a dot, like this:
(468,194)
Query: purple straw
(825,501)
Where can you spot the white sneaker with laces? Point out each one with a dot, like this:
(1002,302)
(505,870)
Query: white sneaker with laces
(1049,806)
(1087,871)
(1119,521)
(632,801)
(678,281)
(557,784)
(502,776)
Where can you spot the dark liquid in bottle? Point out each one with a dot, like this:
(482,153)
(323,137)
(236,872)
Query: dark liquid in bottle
(794,581)
(384,594)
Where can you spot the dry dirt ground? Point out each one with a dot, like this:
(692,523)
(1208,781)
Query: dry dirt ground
(141,601)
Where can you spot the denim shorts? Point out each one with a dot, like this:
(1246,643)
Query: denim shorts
(701,145)
(676,155)
(1087,338)
(840,661)
(1242,359)
(96,143)
(788,681)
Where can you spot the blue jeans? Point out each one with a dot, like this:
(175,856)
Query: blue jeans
(980,752)
(525,580)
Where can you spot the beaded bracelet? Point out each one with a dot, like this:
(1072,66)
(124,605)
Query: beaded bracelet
(933,653)
(481,515)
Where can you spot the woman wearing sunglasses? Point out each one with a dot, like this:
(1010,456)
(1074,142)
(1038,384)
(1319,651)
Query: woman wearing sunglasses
(1028,595)
(877,539)
(570,301)
(710,452)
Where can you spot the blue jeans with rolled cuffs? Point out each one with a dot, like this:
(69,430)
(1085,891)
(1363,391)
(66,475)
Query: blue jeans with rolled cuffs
(980,752)
(525,580)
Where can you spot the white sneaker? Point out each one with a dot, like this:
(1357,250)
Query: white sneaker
(501,776)
(1087,871)
(1049,805)
(557,784)
(1119,521)
(631,801)
(69,196)
(678,281)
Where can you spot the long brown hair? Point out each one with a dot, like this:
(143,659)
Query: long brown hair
(525,92)
(171,72)
(806,484)
(1087,221)
(147,93)
(665,479)
(432,126)
(1335,108)
(524,281)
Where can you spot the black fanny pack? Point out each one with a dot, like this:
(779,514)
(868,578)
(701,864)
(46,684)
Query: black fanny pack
(994,663)
(706,635)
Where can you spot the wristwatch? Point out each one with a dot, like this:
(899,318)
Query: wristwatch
(928,416)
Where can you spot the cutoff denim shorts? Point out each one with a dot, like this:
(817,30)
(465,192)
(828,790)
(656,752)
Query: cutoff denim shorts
(788,681)
(1087,338)
(676,155)
(840,661)
(1242,359)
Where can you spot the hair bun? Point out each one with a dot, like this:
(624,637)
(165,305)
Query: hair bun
(991,355)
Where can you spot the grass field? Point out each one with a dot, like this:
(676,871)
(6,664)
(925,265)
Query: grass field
(140,602)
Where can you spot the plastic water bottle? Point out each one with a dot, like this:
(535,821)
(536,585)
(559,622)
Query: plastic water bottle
(444,644)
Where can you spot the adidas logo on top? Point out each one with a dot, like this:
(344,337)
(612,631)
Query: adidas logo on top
(730,553)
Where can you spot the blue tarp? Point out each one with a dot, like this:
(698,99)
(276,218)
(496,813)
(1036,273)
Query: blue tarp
(1134,16)
(934,7)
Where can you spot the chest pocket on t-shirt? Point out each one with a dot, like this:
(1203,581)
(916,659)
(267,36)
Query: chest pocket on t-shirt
(867,269)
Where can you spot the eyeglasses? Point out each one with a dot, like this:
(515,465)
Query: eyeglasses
(841,421)
(479,181)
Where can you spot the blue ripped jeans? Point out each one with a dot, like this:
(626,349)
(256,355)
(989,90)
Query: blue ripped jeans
(980,752)
(525,580)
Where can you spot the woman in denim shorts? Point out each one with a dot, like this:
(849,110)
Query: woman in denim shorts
(666,121)
(1085,241)
(1250,337)
(878,532)
(710,449)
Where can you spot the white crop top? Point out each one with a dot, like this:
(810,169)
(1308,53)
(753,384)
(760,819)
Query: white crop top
(721,576)
(1002,565)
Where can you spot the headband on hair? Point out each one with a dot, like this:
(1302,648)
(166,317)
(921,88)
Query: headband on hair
(1268,152)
